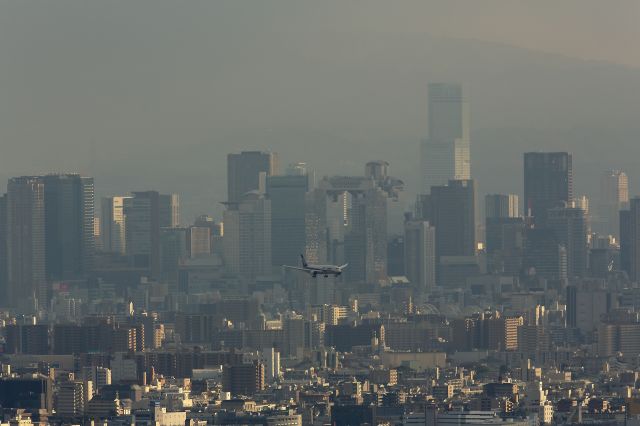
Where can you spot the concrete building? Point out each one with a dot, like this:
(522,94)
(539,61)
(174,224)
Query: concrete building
(169,210)
(347,223)
(243,379)
(112,223)
(271,361)
(420,254)
(71,399)
(247,237)
(614,196)
(198,241)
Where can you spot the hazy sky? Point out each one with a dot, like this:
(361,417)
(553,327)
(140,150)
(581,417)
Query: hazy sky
(152,94)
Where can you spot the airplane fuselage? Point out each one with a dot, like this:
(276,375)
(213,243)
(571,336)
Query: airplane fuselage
(323,270)
(315,270)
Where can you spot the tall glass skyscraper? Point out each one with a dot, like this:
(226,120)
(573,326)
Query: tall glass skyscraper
(69,219)
(26,240)
(288,238)
(446,152)
(548,183)
(614,196)
(248,171)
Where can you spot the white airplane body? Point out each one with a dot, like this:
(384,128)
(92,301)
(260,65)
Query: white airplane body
(315,270)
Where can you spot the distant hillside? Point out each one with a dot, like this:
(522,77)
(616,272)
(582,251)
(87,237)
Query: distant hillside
(334,100)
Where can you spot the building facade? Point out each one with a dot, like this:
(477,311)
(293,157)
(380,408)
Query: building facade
(446,152)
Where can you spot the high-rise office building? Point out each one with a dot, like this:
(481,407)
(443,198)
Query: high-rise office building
(544,255)
(548,183)
(248,171)
(614,196)
(347,223)
(630,239)
(215,232)
(198,241)
(394,188)
(169,210)
(26,240)
(287,195)
(173,247)
(451,209)
(395,256)
(244,379)
(420,254)
(445,153)
(504,232)
(501,205)
(112,224)
(247,236)
(70,401)
(69,221)
(569,224)
(3,248)
(142,230)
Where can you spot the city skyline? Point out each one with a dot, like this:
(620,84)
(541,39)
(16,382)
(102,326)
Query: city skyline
(328,213)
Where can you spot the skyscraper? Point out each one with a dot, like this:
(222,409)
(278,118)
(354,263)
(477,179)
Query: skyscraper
(420,254)
(544,256)
(173,247)
(247,236)
(247,172)
(169,210)
(287,195)
(347,223)
(142,227)
(548,183)
(198,241)
(113,225)
(69,219)
(630,239)
(451,209)
(26,240)
(501,205)
(445,153)
(504,233)
(614,196)
(570,227)
(3,247)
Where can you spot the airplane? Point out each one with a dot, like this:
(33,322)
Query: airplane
(315,270)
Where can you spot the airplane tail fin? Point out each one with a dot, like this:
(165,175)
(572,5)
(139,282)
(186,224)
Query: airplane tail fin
(304,262)
(341,267)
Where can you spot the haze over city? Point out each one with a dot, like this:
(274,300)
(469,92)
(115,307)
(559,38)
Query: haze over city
(121,88)
(288,213)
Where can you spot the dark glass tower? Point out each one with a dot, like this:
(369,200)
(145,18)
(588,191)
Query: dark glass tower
(69,219)
(247,172)
(287,195)
(630,239)
(548,183)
